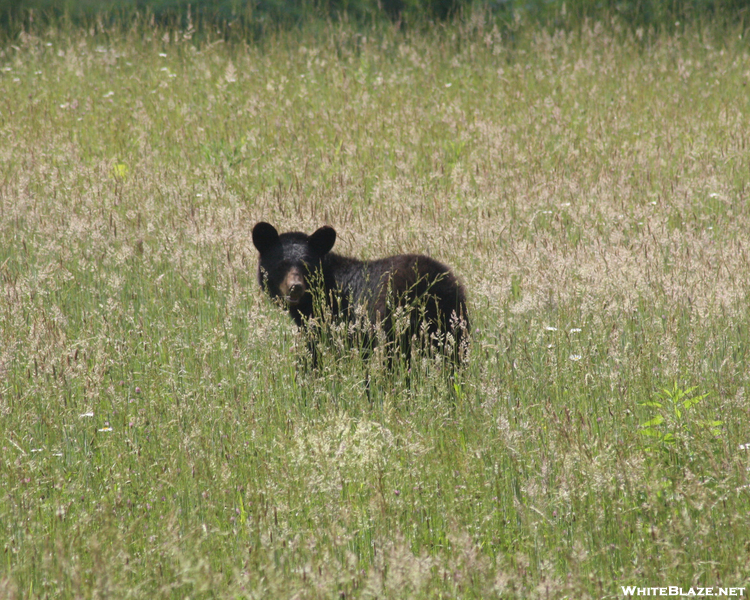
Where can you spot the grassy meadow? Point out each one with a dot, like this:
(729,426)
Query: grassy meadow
(158,436)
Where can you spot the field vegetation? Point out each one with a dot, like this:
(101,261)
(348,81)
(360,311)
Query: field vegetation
(158,435)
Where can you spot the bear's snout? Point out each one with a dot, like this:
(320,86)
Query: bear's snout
(293,287)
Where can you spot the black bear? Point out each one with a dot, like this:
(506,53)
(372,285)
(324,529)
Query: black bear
(407,294)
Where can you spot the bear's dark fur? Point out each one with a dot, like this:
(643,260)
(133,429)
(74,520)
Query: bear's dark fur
(296,268)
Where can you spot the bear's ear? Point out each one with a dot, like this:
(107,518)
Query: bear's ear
(323,240)
(264,236)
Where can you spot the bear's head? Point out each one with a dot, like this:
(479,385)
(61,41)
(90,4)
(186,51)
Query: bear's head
(289,260)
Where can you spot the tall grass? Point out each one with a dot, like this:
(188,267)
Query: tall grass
(159,438)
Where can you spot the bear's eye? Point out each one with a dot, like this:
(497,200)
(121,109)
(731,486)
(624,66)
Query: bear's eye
(283,267)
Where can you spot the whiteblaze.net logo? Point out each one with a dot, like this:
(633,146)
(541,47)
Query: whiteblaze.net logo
(679,592)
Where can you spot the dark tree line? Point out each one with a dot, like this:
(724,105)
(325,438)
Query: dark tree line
(260,15)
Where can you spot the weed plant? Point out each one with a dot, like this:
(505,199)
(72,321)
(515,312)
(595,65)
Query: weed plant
(159,434)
